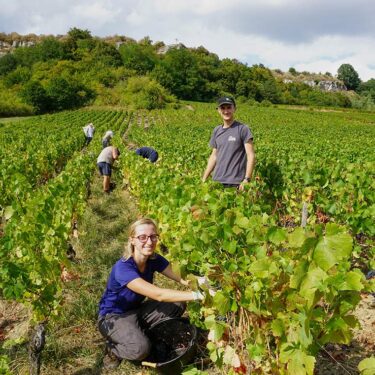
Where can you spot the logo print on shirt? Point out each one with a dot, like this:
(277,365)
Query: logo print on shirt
(231,139)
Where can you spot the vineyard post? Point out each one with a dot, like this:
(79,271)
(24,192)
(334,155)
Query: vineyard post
(36,346)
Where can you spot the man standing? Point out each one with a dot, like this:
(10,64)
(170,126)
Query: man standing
(105,161)
(233,156)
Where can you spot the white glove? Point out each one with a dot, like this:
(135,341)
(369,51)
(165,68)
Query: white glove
(197,295)
(203,281)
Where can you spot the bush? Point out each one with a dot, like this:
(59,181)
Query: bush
(241,99)
(7,64)
(265,103)
(67,94)
(143,92)
(21,75)
(364,102)
(12,105)
(252,102)
(35,94)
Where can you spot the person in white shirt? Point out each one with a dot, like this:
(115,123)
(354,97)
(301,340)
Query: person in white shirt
(89,133)
(106,140)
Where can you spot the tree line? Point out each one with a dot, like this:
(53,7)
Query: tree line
(79,69)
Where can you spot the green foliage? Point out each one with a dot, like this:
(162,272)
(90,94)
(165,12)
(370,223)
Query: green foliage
(187,73)
(284,290)
(58,94)
(178,72)
(43,191)
(258,83)
(367,366)
(321,98)
(364,101)
(349,76)
(230,72)
(293,71)
(7,63)
(4,365)
(76,34)
(26,56)
(20,75)
(78,41)
(367,88)
(193,371)
(51,49)
(12,105)
(139,57)
(287,290)
(35,94)
(106,54)
(146,93)
(66,94)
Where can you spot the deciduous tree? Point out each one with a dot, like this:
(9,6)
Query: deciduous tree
(349,76)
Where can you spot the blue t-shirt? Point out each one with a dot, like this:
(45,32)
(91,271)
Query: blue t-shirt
(147,153)
(118,298)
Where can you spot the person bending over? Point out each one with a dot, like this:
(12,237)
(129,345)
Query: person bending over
(105,162)
(148,153)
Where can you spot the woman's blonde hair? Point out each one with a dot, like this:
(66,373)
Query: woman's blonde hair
(144,221)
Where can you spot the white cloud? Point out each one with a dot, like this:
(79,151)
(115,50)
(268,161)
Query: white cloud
(94,12)
(202,7)
(313,35)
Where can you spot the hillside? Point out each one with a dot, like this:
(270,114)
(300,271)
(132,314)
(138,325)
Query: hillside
(325,82)
(51,73)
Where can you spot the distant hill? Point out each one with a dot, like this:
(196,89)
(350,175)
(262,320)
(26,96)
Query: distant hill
(325,82)
(47,73)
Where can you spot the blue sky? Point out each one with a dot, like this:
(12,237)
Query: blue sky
(311,35)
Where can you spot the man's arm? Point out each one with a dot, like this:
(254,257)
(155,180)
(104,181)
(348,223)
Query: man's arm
(250,154)
(114,153)
(210,164)
(250,164)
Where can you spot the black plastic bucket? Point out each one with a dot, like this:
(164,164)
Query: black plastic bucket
(174,344)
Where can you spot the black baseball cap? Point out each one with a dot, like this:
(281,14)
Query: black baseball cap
(225,100)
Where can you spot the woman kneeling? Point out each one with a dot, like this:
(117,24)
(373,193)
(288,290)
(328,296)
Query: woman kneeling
(123,314)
